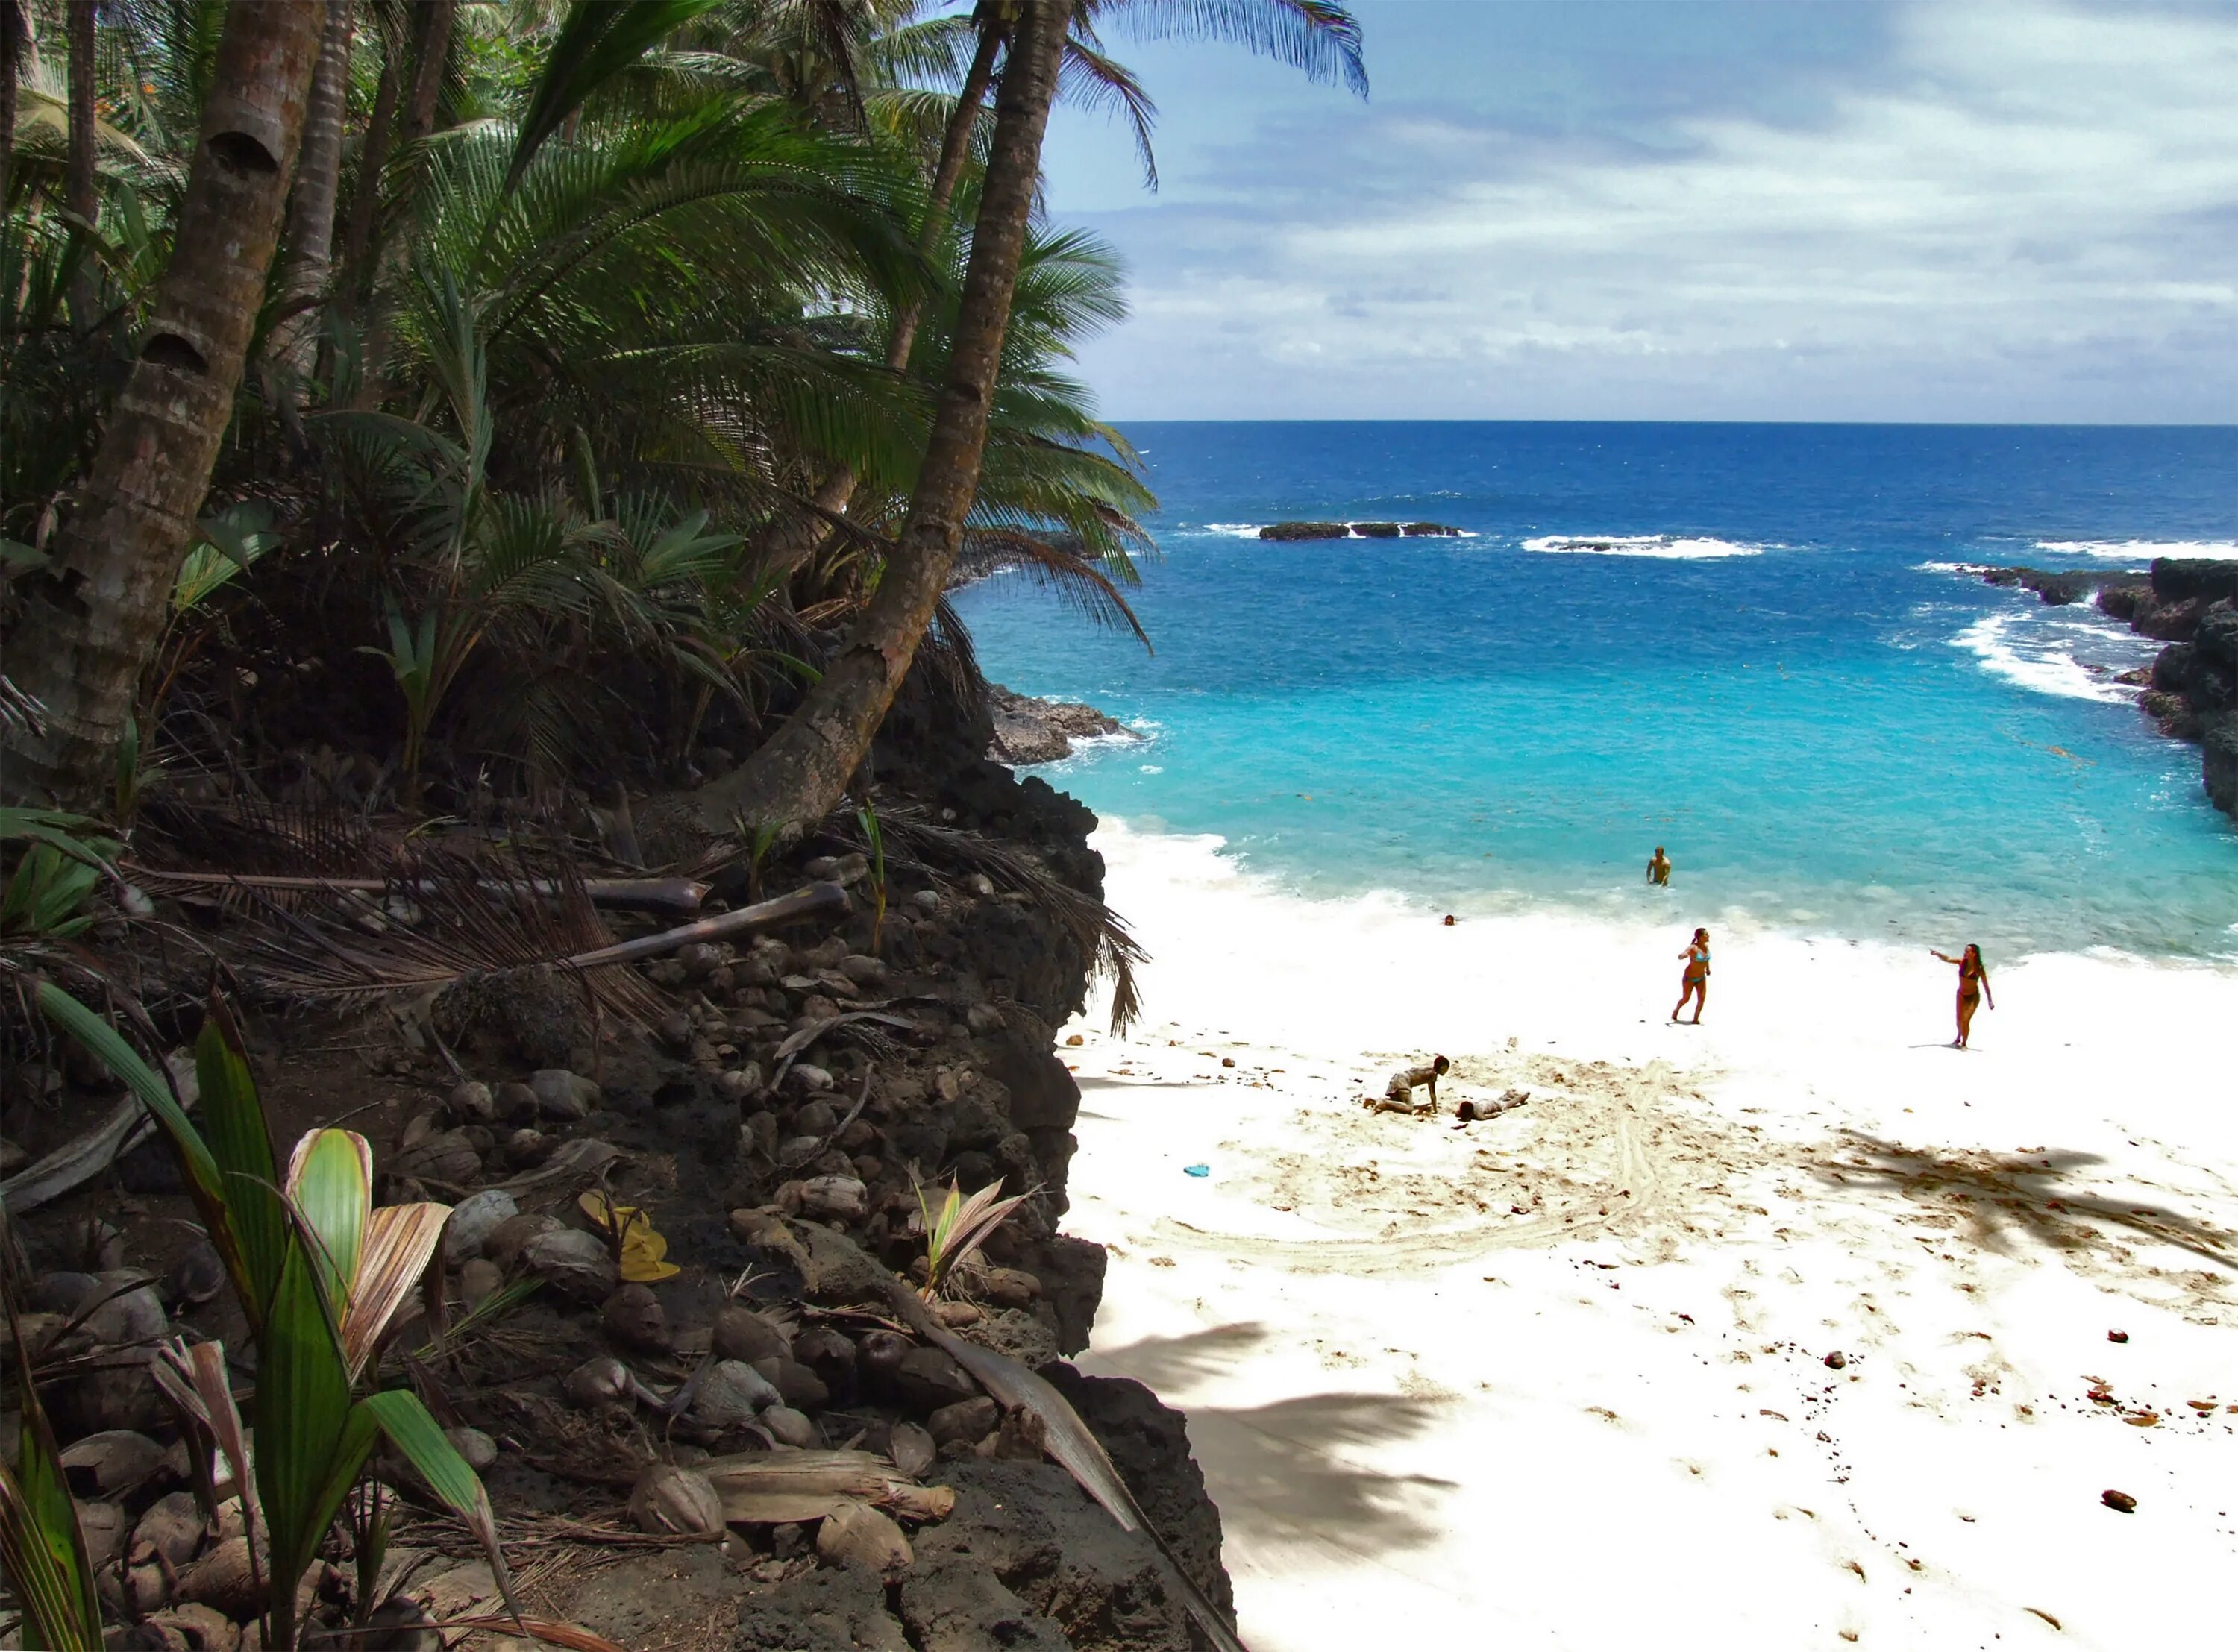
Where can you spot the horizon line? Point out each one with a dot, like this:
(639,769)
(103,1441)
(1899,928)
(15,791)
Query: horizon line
(1852,424)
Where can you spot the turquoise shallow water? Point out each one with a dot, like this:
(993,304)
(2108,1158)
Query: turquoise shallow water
(1764,662)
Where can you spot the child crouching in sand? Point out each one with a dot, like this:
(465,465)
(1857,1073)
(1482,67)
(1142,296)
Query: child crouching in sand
(1399,1095)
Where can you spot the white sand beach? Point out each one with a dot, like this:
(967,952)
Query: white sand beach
(1559,1379)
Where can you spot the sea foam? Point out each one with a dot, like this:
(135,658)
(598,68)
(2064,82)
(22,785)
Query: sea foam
(2142,550)
(1666,547)
(2039,658)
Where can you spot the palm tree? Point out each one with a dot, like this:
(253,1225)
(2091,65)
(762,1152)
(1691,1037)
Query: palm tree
(13,37)
(801,773)
(318,185)
(92,620)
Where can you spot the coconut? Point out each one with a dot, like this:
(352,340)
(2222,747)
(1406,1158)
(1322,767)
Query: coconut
(562,1094)
(472,1102)
(478,1280)
(835,1199)
(110,1463)
(173,1527)
(578,1264)
(855,1534)
(106,1526)
(224,1579)
(668,1499)
(732,1394)
(741,1334)
(474,1218)
(197,1276)
(440,1156)
(913,1451)
(131,1313)
(635,1317)
(789,1427)
(600,1380)
(476,1447)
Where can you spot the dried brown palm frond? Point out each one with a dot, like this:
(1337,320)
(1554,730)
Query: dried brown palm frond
(917,843)
(1059,563)
(256,838)
(447,919)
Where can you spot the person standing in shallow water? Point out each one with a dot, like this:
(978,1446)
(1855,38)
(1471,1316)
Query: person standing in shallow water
(1973,987)
(1695,983)
(1659,870)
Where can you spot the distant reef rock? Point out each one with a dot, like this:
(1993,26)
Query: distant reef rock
(2190,603)
(1027,731)
(1358,530)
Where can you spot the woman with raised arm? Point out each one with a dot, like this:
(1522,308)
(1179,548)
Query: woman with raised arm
(1973,987)
(1695,983)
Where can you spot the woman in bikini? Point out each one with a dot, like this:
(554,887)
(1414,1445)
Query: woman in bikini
(1973,987)
(1695,983)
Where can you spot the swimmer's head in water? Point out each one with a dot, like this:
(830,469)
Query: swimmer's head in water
(1658,851)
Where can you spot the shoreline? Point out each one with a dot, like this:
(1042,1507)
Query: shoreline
(1433,1371)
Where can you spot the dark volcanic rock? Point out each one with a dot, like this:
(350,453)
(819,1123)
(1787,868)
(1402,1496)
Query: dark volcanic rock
(2191,604)
(1148,1444)
(2057,587)
(1030,730)
(1290,530)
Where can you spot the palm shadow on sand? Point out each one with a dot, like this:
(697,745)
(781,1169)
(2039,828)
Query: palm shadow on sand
(2008,1196)
(1277,1470)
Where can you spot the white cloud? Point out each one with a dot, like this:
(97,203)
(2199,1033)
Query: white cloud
(2025,211)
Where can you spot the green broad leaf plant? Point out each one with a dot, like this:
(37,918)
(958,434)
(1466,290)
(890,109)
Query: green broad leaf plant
(321,1273)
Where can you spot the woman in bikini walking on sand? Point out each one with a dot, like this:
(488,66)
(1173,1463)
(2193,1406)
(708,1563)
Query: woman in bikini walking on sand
(1973,987)
(1695,983)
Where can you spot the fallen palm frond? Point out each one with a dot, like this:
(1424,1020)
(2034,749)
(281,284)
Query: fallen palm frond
(648,894)
(1067,1438)
(916,842)
(441,924)
(779,1488)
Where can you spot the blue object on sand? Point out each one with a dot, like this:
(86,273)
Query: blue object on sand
(1196,1170)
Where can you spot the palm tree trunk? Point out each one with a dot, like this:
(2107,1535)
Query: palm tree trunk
(799,538)
(803,770)
(372,162)
(89,623)
(80,184)
(11,60)
(318,182)
(435,20)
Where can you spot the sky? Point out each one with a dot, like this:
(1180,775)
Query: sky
(2017,210)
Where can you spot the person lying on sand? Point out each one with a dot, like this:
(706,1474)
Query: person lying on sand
(1973,986)
(1695,983)
(1469,1112)
(1399,1095)
(1659,870)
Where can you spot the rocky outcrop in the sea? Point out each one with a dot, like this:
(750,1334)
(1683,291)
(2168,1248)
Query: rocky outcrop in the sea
(1030,730)
(2190,603)
(1283,530)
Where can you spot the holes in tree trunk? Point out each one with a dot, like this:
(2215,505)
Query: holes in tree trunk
(169,350)
(243,152)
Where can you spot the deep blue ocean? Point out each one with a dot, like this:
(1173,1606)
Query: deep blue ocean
(1746,643)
